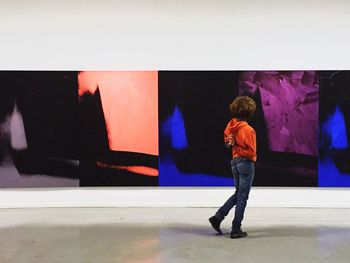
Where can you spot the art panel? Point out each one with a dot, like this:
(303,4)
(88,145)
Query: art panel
(192,116)
(334,159)
(118,113)
(286,123)
(38,129)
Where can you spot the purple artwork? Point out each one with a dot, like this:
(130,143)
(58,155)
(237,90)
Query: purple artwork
(289,102)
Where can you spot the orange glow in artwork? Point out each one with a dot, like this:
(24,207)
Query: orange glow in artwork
(134,169)
(130,106)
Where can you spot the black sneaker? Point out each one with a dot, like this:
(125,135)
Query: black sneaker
(239,234)
(215,223)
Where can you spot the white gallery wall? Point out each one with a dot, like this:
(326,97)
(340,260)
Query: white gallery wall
(174,35)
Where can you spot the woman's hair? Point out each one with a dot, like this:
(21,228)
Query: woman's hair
(242,107)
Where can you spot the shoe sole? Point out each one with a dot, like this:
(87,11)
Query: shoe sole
(240,236)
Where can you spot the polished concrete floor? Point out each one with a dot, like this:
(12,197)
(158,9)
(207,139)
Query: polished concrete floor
(171,235)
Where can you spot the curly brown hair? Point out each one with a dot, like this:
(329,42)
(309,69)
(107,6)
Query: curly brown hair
(242,107)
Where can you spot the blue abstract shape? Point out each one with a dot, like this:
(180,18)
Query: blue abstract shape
(337,127)
(329,175)
(178,132)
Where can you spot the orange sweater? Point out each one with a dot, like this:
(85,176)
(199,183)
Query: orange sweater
(244,138)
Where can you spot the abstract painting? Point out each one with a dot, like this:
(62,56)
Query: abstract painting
(118,114)
(334,158)
(38,129)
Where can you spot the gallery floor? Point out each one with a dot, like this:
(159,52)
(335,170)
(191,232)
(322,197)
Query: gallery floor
(171,235)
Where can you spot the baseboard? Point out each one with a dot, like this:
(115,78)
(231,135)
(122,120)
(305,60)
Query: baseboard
(172,197)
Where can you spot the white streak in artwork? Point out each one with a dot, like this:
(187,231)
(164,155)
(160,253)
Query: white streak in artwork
(17,132)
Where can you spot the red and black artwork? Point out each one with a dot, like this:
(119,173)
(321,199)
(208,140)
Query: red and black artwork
(67,129)
(118,128)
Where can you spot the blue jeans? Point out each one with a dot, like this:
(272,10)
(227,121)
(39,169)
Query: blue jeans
(243,172)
